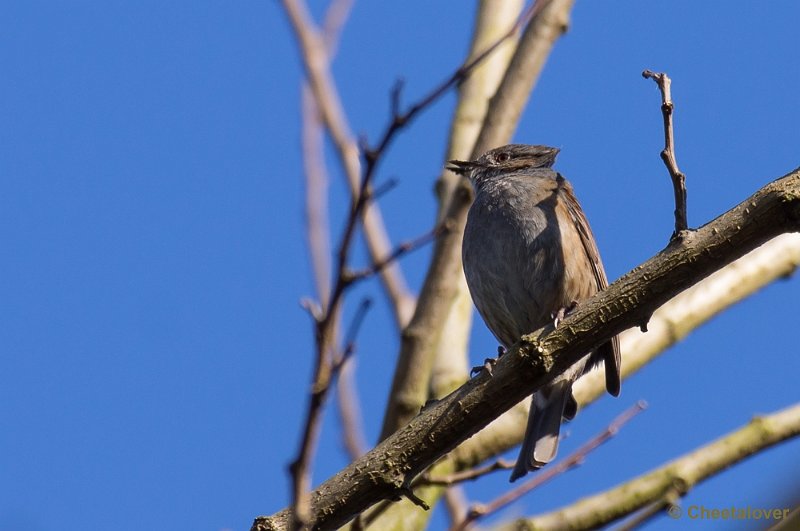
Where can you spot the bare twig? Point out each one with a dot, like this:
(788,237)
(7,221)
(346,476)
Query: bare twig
(315,171)
(668,502)
(352,332)
(413,498)
(350,411)
(326,366)
(677,477)
(550,22)
(455,501)
(668,153)
(316,60)
(335,17)
(319,234)
(399,119)
(383,188)
(312,307)
(316,197)
(575,459)
(401,250)
(467,475)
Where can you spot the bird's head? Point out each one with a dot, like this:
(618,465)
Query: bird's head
(513,158)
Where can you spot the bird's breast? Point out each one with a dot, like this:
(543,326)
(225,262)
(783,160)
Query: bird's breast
(520,256)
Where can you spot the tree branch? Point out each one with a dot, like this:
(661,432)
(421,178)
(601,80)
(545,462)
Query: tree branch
(399,251)
(350,411)
(455,501)
(677,476)
(387,469)
(668,153)
(466,475)
(318,232)
(535,45)
(573,460)
(399,119)
(316,61)
(325,367)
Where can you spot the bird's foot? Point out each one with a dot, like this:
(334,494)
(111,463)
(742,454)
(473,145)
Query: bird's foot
(429,403)
(563,312)
(488,363)
(488,366)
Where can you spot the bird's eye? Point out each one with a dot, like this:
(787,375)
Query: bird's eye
(503,157)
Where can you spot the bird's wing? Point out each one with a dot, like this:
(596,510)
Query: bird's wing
(608,352)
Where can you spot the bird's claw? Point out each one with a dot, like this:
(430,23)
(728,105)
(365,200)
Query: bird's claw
(563,312)
(430,402)
(488,365)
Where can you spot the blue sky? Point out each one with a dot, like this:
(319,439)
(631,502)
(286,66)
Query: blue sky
(155,358)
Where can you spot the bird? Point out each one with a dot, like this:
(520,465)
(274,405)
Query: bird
(529,257)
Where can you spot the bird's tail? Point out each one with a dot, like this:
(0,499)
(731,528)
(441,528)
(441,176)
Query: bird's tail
(544,422)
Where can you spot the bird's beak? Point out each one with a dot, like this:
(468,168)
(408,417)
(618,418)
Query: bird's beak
(461,167)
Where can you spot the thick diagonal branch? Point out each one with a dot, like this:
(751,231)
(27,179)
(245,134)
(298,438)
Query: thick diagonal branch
(383,472)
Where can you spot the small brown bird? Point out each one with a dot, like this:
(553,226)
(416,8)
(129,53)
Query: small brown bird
(529,256)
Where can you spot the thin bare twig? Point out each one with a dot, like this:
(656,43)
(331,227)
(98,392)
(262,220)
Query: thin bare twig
(505,108)
(325,368)
(316,60)
(355,326)
(316,196)
(315,171)
(455,501)
(677,477)
(355,443)
(406,491)
(384,188)
(668,503)
(399,119)
(467,475)
(668,153)
(319,232)
(326,365)
(335,17)
(401,250)
(575,459)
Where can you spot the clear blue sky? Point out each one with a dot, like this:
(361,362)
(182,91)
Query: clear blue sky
(155,359)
